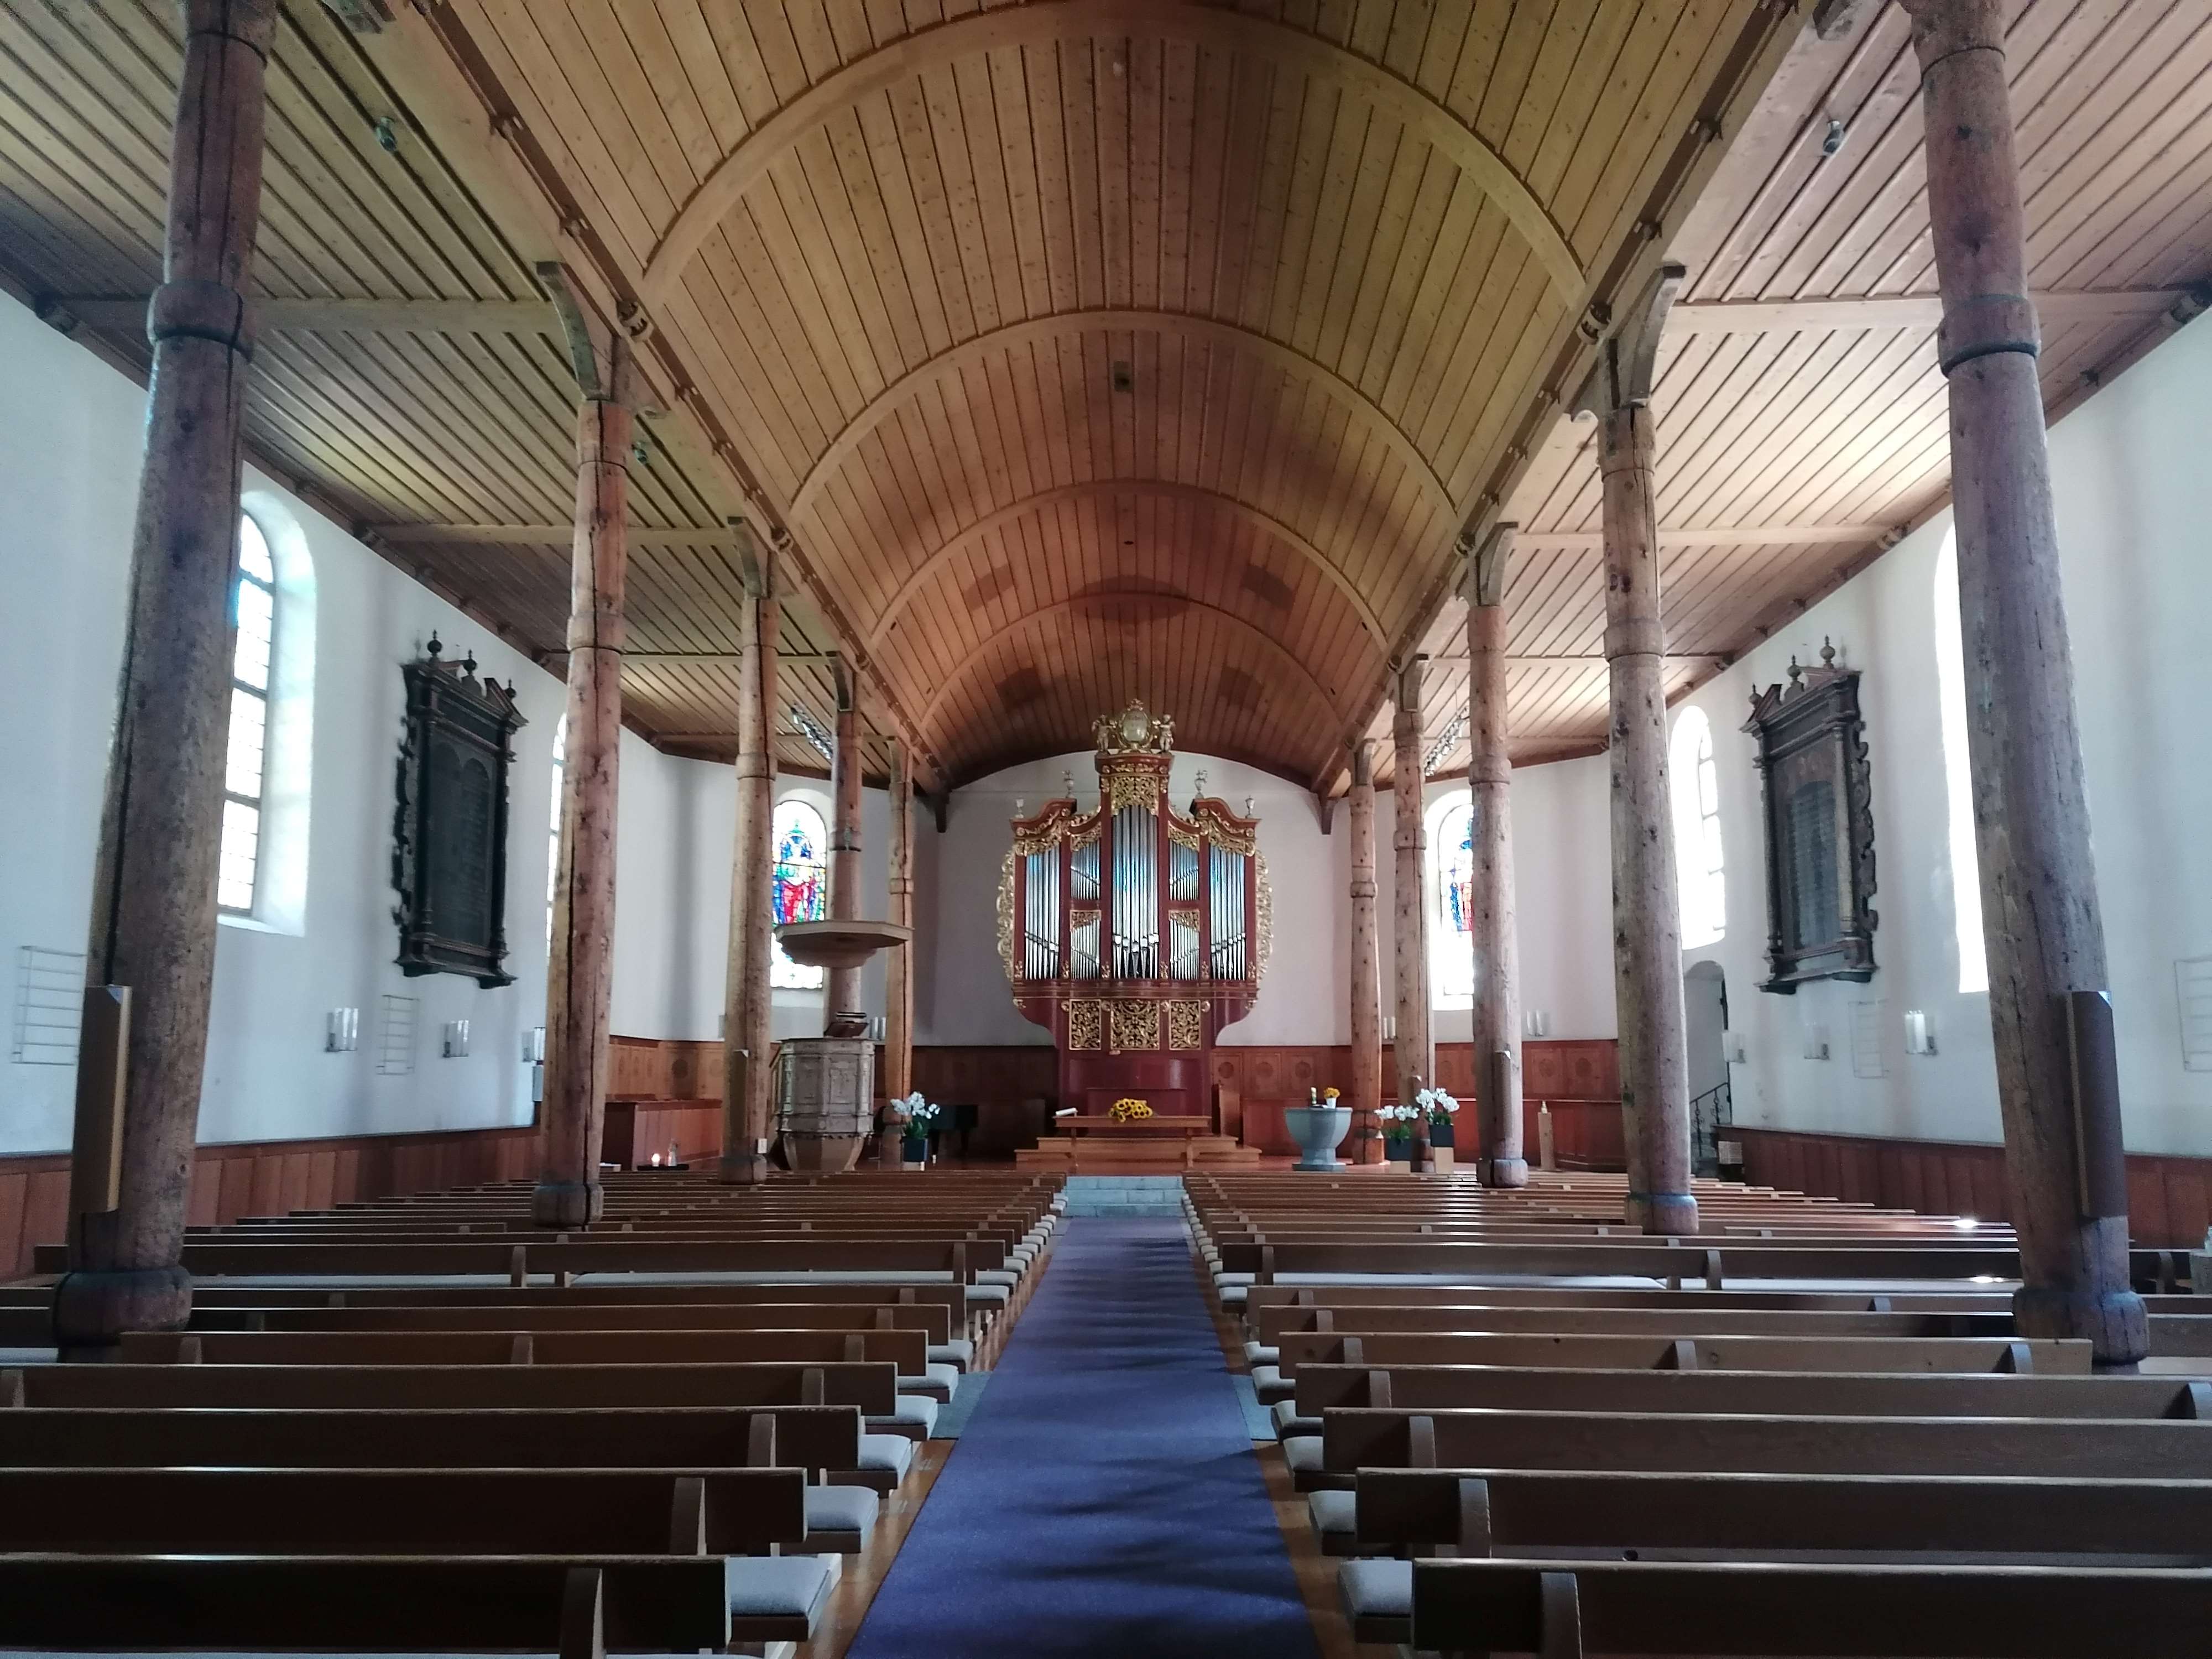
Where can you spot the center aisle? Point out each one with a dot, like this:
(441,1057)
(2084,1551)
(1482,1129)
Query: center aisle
(1104,1499)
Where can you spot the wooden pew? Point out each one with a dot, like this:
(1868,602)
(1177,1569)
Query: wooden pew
(1713,1262)
(558,1437)
(907,1350)
(1563,1610)
(795,1393)
(1481,1512)
(388,1511)
(933,1321)
(577,1608)
(1616,1353)
(1445,1315)
(2081,1448)
(1759,1393)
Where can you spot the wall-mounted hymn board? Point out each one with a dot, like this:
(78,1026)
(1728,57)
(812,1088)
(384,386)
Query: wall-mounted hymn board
(449,826)
(1819,821)
(1134,932)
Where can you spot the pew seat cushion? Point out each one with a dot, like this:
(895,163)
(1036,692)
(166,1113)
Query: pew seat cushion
(1009,1277)
(1233,1295)
(1288,1423)
(1378,1598)
(981,1295)
(1335,1517)
(913,1415)
(787,1591)
(1259,1353)
(840,1518)
(959,1353)
(893,1454)
(1225,1279)
(1269,1383)
(1303,1454)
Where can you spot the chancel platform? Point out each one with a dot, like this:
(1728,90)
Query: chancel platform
(1097,1144)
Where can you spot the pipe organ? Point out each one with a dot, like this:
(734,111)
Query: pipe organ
(1134,933)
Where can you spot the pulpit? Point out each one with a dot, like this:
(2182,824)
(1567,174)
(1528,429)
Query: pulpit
(1134,933)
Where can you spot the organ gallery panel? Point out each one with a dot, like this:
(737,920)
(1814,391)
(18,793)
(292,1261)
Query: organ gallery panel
(1134,932)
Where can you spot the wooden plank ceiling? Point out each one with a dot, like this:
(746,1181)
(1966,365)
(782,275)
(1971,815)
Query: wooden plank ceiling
(1084,348)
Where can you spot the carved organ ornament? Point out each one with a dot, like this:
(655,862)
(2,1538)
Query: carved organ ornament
(1817,812)
(1109,917)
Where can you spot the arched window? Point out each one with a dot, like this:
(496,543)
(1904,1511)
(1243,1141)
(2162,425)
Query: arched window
(253,610)
(1957,777)
(553,831)
(1693,780)
(1451,904)
(800,888)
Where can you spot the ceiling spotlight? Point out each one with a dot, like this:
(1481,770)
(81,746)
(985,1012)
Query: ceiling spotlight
(388,136)
(1834,141)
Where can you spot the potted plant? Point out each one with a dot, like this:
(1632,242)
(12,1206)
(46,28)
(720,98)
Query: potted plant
(921,1118)
(1398,1119)
(1318,1126)
(1439,1108)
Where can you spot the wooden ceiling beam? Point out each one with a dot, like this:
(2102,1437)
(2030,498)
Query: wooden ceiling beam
(1046,23)
(1201,331)
(128,313)
(1755,535)
(539,535)
(1159,489)
(2054,308)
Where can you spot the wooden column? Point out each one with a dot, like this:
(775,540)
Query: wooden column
(1496,940)
(1647,914)
(1409,917)
(2050,1005)
(579,975)
(842,994)
(1366,985)
(898,974)
(153,907)
(747,1110)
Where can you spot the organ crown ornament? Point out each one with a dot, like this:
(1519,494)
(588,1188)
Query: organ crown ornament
(1135,730)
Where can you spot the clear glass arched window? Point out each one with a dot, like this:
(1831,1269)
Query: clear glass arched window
(253,665)
(553,832)
(799,888)
(1701,864)
(1451,904)
(1957,775)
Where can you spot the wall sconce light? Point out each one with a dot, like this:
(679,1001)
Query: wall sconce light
(1535,1023)
(533,1046)
(1389,1028)
(878,1028)
(1919,1032)
(457,1039)
(342,1031)
(1816,1043)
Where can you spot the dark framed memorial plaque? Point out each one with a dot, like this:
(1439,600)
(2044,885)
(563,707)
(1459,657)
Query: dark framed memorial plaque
(449,827)
(1817,812)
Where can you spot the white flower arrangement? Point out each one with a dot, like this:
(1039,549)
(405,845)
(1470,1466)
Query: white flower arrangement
(1438,1106)
(1394,1120)
(921,1115)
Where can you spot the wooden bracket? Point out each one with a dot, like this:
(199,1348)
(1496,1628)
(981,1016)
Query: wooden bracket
(1325,810)
(939,805)
(755,568)
(846,679)
(601,357)
(1487,564)
(1628,360)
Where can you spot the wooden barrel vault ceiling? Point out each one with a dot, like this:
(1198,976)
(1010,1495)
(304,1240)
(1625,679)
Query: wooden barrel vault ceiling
(1078,350)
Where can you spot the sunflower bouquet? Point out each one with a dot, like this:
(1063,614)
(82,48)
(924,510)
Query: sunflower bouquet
(1128,1111)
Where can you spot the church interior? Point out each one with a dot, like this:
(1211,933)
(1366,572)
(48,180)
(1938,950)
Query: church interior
(900,828)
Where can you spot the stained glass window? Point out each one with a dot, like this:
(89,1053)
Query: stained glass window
(800,888)
(253,608)
(1451,863)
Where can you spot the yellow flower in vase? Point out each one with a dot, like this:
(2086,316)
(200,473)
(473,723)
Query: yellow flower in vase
(1129,1111)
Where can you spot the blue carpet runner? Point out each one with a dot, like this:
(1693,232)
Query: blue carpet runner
(1104,1499)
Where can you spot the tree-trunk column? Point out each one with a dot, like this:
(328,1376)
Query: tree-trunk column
(1367,987)
(843,992)
(898,1026)
(1497,944)
(153,907)
(746,1003)
(1409,840)
(580,974)
(2041,921)
(1647,917)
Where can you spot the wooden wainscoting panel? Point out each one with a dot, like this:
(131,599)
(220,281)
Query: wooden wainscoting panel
(2169,1198)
